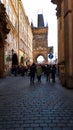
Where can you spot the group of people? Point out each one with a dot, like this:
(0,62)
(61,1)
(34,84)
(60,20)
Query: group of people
(48,70)
(19,70)
(35,70)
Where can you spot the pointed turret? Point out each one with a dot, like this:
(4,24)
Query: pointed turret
(40,20)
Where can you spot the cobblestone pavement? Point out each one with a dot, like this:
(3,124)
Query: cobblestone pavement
(44,106)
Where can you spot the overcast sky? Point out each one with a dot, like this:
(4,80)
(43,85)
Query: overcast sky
(33,8)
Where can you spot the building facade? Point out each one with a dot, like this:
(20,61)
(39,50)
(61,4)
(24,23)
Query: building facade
(65,40)
(19,39)
(25,37)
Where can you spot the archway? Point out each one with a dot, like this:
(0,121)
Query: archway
(14,59)
(40,59)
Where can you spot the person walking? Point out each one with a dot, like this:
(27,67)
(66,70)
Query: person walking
(39,72)
(47,72)
(14,70)
(53,73)
(32,73)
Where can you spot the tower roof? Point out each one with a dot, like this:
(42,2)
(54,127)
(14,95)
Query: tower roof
(40,20)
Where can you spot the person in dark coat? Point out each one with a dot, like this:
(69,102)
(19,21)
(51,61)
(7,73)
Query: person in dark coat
(14,70)
(47,72)
(39,73)
(53,73)
(32,73)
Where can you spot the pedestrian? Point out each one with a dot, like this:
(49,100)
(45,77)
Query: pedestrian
(53,72)
(14,70)
(47,73)
(22,70)
(39,72)
(32,73)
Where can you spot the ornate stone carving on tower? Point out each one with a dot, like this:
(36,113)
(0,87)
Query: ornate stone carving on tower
(40,39)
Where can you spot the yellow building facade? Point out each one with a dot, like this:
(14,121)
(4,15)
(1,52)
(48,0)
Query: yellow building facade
(20,38)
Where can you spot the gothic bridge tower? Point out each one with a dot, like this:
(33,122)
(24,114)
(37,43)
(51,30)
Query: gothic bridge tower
(40,40)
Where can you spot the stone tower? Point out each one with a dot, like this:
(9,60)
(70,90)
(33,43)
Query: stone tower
(40,39)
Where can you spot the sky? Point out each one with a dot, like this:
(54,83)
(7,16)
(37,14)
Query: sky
(48,9)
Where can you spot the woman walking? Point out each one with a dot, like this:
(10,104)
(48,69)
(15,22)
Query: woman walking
(39,73)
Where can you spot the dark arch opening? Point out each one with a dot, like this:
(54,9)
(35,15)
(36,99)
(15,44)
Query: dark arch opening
(14,59)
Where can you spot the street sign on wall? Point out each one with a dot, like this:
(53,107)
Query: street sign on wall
(50,49)
(50,56)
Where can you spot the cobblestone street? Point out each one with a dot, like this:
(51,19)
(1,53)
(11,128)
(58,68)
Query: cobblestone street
(44,106)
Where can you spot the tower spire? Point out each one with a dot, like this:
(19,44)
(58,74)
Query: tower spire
(40,20)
